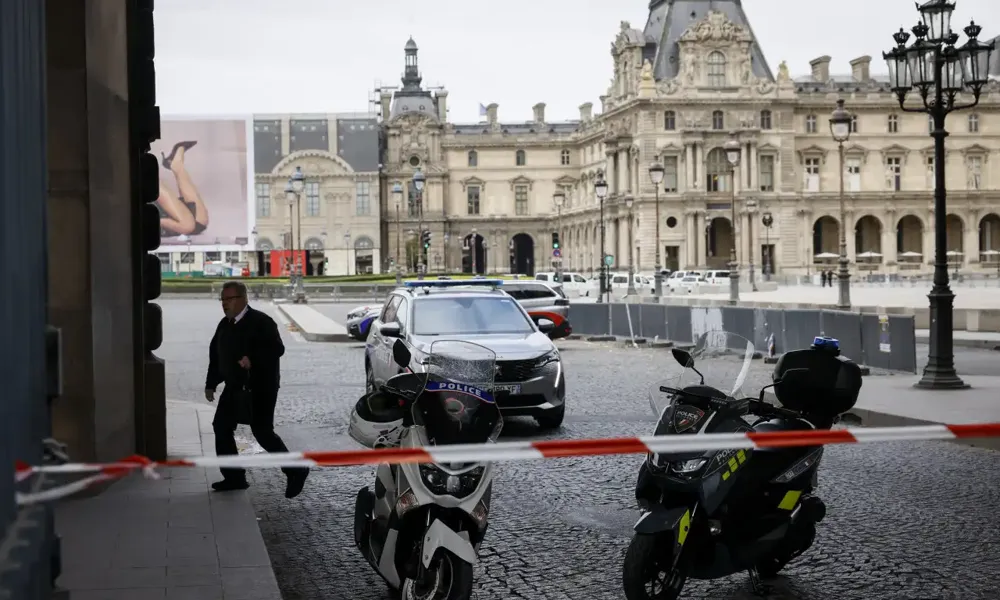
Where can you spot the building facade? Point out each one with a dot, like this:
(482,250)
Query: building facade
(336,217)
(690,81)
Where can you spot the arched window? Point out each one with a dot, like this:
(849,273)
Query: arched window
(765,119)
(314,244)
(264,245)
(718,171)
(718,120)
(364,243)
(519,158)
(473,158)
(716,69)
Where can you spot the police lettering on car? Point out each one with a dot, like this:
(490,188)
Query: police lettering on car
(459,388)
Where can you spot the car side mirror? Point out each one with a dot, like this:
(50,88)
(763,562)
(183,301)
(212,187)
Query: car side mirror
(390,330)
(545,325)
(683,357)
(400,353)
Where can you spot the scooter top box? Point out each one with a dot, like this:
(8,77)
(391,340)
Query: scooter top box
(828,384)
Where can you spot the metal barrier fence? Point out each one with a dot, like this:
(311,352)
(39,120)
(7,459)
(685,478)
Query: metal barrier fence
(879,341)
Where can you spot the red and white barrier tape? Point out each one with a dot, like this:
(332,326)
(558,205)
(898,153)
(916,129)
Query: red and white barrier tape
(507,451)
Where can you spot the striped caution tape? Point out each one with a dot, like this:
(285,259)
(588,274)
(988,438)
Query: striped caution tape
(505,451)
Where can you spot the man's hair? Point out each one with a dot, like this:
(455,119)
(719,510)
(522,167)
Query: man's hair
(235,285)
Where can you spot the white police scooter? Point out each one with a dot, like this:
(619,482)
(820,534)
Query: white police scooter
(421,527)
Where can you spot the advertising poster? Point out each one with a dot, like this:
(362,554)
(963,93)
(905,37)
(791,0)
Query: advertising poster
(884,344)
(203,182)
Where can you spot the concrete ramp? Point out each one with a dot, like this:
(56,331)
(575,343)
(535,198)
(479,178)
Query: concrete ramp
(313,325)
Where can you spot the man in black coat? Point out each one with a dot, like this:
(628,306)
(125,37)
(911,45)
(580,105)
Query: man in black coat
(245,354)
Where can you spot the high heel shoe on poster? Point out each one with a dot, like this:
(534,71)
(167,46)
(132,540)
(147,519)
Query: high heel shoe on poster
(168,160)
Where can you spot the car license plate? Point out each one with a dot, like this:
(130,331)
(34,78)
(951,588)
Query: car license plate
(510,388)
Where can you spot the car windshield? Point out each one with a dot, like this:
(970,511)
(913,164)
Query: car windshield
(469,315)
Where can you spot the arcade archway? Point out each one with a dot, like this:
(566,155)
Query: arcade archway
(522,254)
(474,254)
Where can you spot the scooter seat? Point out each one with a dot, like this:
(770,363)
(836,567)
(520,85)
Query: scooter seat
(782,425)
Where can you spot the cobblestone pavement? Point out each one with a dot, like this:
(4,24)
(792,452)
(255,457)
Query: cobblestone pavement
(907,521)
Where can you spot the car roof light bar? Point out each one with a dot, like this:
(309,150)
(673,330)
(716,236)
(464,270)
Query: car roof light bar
(453,283)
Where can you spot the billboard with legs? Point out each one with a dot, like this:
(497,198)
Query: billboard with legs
(204,181)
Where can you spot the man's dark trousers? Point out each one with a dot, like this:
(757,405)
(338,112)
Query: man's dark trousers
(262,426)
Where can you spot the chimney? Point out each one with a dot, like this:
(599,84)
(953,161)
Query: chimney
(820,69)
(491,113)
(386,99)
(539,110)
(442,105)
(586,111)
(861,69)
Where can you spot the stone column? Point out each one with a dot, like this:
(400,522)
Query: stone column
(744,168)
(970,244)
(703,223)
(688,167)
(928,246)
(699,166)
(690,223)
(889,250)
(609,171)
(91,258)
(852,253)
(754,184)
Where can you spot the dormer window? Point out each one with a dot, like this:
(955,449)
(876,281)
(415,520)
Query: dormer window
(716,63)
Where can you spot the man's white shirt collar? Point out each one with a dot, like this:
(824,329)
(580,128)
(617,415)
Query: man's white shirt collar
(242,313)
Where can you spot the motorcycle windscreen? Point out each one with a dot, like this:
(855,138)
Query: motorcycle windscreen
(457,405)
(719,360)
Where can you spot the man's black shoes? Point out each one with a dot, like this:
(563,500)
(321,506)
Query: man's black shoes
(230,485)
(296,481)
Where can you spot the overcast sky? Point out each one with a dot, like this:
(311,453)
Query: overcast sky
(269,56)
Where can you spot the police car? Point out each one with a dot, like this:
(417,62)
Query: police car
(530,379)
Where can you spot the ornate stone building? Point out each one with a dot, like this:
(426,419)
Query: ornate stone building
(338,212)
(691,80)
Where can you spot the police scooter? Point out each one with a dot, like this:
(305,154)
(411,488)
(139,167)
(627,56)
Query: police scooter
(708,515)
(422,525)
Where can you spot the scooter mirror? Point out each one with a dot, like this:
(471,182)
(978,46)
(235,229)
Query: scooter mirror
(401,354)
(851,419)
(683,357)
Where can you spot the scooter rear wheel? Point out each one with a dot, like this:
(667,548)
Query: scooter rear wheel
(648,573)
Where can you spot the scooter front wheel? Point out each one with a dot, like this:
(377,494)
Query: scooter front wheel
(450,578)
(648,573)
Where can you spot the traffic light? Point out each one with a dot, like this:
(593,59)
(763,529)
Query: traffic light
(425,237)
(143,130)
(555,241)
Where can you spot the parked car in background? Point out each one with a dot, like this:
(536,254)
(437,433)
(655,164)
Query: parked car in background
(717,277)
(686,283)
(359,321)
(572,283)
(543,301)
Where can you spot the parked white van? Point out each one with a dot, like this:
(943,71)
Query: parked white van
(574,284)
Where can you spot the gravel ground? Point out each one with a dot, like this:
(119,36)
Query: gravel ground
(906,521)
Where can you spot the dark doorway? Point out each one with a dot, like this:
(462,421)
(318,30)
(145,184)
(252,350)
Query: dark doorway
(474,254)
(523,254)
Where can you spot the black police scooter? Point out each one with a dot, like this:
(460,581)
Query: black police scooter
(708,515)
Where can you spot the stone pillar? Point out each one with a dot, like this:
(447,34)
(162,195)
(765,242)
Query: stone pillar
(889,250)
(688,166)
(970,244)
(90,231)
(754,174)
(698,167)
(852,253)
(928,247)
(704,219)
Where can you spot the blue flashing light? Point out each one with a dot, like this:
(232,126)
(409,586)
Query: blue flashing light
(452,283)
(826,342)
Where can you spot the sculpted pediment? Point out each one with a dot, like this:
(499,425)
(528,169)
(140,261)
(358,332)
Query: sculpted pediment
(895,149)
(812,152)
(521,180)
(313,163)
(857,150)
(473,181)
(716,27)
(975,149)
(767,147)
(565,180)
(670,148)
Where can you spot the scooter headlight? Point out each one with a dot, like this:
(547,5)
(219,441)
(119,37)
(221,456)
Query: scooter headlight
(441,483)
(688,467)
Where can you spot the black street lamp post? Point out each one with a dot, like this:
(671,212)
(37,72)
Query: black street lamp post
(601,189)
(767,220)
(418,184)
(939,72)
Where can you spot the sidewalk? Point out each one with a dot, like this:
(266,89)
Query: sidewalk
(965,339)
(891,400)
(168,539)
(313,325)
